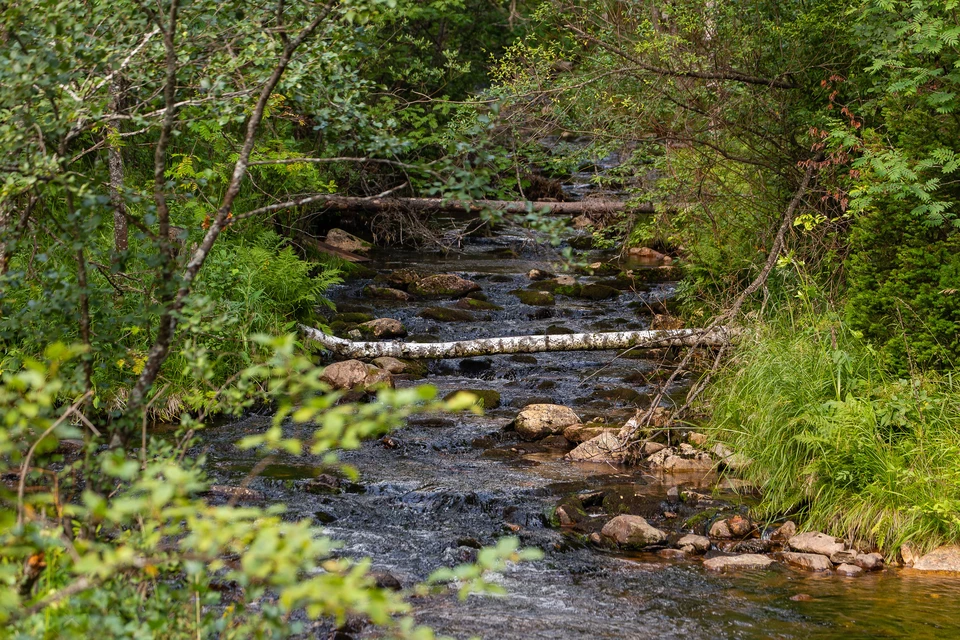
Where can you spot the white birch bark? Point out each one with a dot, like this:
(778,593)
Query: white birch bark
(521,344)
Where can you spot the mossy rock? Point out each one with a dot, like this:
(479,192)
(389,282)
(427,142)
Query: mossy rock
(569,290)
(477,295)
(400,278)
(557,330)
(599,269)
(472,304)
(582,242)
(523,358)
(358,272)
(445,314)
(597,292)
(386,293)
(355,317)
(486,398)
(414,368)
(444,285)
(535,298)
(501,279)
(341,328)
(657,274)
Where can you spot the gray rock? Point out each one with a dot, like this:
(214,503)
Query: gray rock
(745,561)
(808,561)
(815,542)
(699,544)
(537,421)
(632,532)
(849,570)
(720,529)
(942,559)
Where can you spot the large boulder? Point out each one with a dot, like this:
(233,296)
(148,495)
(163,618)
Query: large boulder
(815,542)
(944,559)
(536,421)
(808,561)
(732,563)
(632,532)
(355,375)
(344,241)
(383,328)
(444,285)
(603,448)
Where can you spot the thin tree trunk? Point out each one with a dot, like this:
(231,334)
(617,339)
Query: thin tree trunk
(115,161)
(522,344)
(454,206)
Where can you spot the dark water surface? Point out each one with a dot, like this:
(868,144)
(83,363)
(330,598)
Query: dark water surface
(454,483)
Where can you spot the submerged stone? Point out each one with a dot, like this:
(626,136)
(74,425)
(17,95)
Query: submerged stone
(473,304)
(597,292)
(746,561)
(386,293)
(535,298)
(444,314)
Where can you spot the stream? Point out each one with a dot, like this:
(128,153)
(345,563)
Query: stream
(443,486)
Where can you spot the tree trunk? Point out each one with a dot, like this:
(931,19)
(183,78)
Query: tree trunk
(454,206)
(522,344)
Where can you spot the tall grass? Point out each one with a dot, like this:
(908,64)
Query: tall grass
(837,441)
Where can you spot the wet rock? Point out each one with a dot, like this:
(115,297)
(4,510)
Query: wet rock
(909,554)
(645,252)
(581,222)
(537,421)
(693,543)
(444,285)
(603,448)
(815,542)
(869,561)
(236,493)
(943,559)
(807,561)
(720,529)
(353,374)
(473,304)
(672,554)
(523,358)
(486,398)
(740,527)
(535,298)
(386,293)
(580,433)
(756,545)
(347,241)
(673,461)
(390,364)
(742,562)
(597,292)
(475,366)
(538,274)
(386,580)
(444,314)
(650,448)
(632,532)
(785,531)
(849,570)
(559,330)
(620,394)
(801,597)
(383,328)
(354,317)
(665,322)
(844,557)
(401,278)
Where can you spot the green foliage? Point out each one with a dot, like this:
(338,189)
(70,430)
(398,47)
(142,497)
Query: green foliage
(835,439)
(136,550)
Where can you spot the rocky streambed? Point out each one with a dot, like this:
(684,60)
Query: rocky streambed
(660,550)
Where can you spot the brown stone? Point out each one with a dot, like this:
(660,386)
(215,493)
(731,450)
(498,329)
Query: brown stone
(719,529)
(672,554)
(578,433)
(730,563)
(808,561)
(695,543)
(632,532)
(353,374)
(849,570)
(537,421)
(942,559)
(390,364)
(740,527)
(386,293)
(384,328)
(909,554)
(603,448)
(869,561)
(444,285)
(344,241)
(844,557)
(697,439)
(785,531)
(815,542)
(663,321)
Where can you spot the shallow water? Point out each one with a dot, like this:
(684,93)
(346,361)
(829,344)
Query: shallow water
(454,483)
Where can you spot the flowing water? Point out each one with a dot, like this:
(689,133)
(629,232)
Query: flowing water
(445,486)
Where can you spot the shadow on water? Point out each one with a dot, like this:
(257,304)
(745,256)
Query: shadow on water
(447,486)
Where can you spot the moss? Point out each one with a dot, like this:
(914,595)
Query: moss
(486,398)
(444,314)
(569,290)
(535,298)
(598,292)
(341,328)
(473,304)
(353,317)
(358,272)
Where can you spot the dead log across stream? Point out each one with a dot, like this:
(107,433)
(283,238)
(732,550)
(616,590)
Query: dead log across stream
(522,344)
(455,206)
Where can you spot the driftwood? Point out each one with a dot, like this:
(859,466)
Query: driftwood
(718,336)
(454,206)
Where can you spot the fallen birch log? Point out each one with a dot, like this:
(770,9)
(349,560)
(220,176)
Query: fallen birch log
(522,344)
(455,206)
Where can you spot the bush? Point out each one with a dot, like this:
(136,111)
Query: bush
(837,440)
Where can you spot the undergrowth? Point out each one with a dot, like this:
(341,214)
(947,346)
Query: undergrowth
(837,441)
